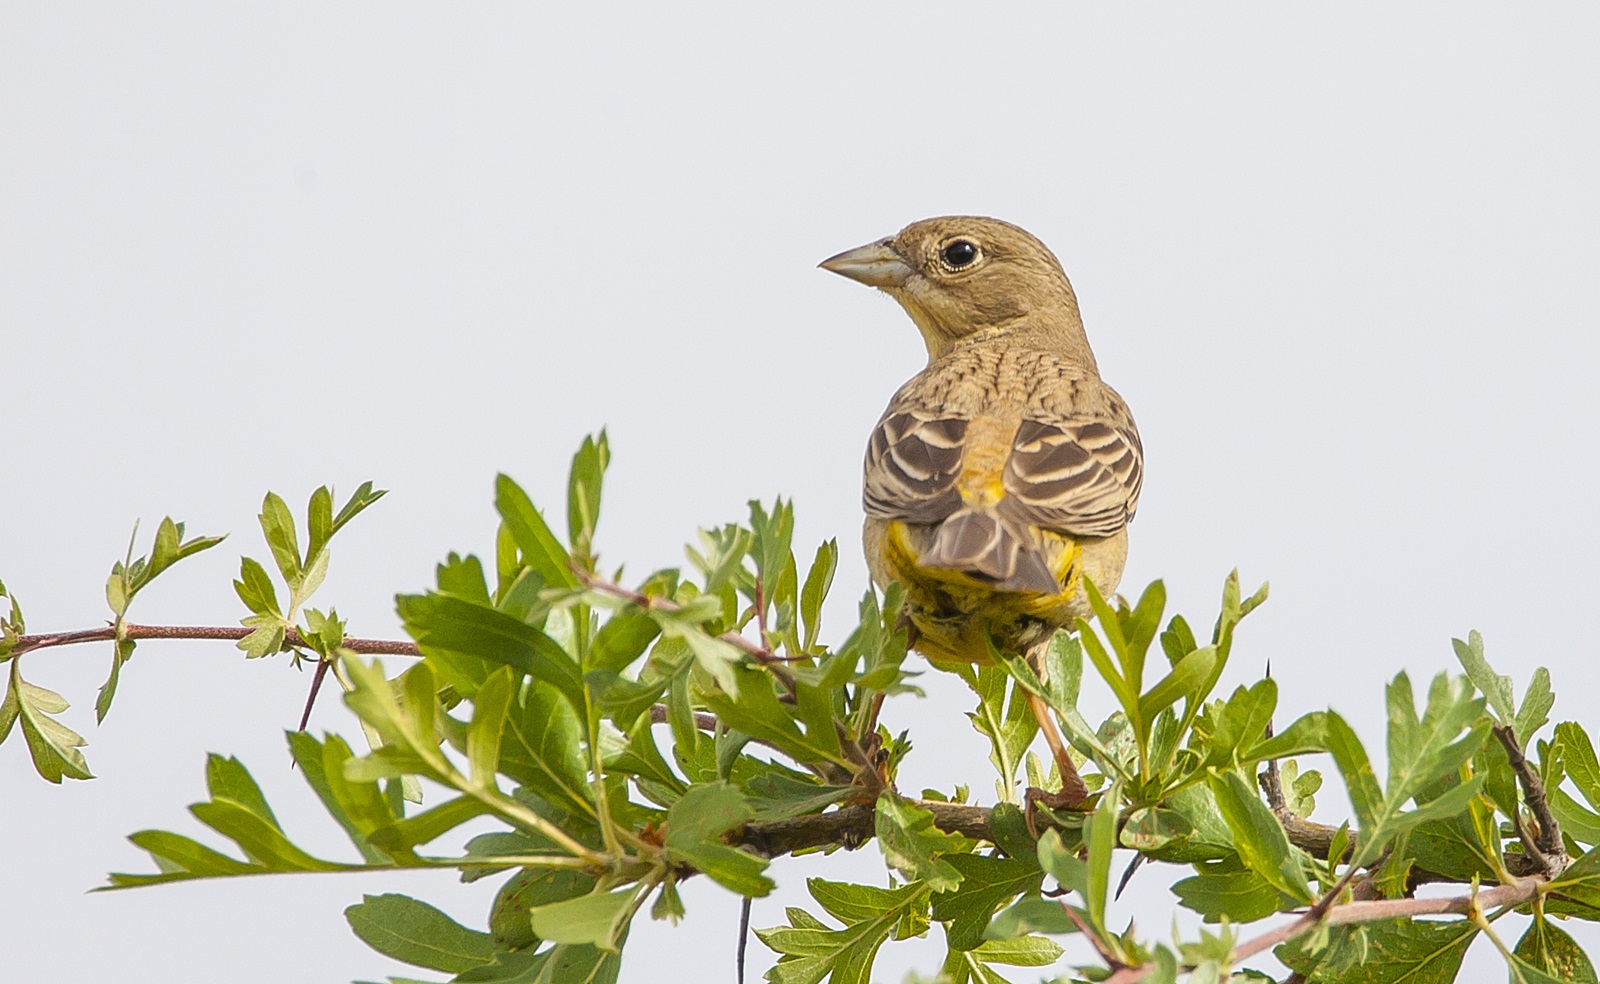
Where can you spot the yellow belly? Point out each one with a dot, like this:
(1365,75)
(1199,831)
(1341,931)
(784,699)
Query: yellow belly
(956,614)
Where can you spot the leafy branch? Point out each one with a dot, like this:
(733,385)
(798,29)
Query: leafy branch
(623,735)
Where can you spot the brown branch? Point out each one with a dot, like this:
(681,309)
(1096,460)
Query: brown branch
(1546,846)
(852,826)
(1350,913)
(702,720)
(140,633)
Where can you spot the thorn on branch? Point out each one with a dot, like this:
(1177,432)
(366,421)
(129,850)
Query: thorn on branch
(316,685)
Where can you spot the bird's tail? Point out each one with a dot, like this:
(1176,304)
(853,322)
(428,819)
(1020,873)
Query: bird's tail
(979,543)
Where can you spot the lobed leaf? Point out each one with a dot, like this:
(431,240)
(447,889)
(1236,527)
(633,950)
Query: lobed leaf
(416,933)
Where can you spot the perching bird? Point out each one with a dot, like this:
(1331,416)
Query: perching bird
(1006,471)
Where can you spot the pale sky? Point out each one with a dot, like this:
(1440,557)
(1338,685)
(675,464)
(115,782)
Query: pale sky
(1340,263)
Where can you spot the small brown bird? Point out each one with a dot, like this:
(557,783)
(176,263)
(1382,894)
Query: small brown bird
(1006,471)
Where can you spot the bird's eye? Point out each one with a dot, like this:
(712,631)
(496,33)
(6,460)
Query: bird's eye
(960,253)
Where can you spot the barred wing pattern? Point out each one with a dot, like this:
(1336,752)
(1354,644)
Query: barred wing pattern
(913,461)
(1080,477)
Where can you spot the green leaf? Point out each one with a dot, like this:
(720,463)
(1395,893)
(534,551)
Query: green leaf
(358,807)
(1003,714)
(780,797)
(1421,751)
(972,966)
(1031,915)
(255,588)
(913,846)
(643,758)
(489,709)
(1259,837)
(52,745)
(583,491)
(319,521)
(1238,896)
(180,858)
(1581,881)
(1181,683)
(1126,691)
(121,652)
(669,904)
(227,778)
(1306,734)
(416,933)
(1547,949)
(526,890)
(169,548)
(278,525)
(758,713)
(1139,626)
(818,580)
(451,629)
(597,919)
(1461,846)
(773,534)
(1582,825)
(404,716)
(400,836)
(260,840)
(117,596)
(985,884)
(363,497)
(695,826)
(1536,705)
(1062,863)
(1400,950)
(1495,687)
(1154,828)
(623,639)
(540,549)
(1577,755)
(1100,836)
(809,950)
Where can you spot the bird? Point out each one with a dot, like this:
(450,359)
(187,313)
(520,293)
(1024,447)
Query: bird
(1006,472)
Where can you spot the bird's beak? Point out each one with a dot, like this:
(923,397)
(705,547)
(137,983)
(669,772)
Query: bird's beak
(875,264)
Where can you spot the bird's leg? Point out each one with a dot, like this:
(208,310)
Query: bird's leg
(1073,791)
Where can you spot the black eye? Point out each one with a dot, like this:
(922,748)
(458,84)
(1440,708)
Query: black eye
(960,253)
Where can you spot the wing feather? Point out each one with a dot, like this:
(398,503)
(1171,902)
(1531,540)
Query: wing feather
(913,460)
(1079,476)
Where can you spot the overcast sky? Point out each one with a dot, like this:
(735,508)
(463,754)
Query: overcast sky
(1341,264)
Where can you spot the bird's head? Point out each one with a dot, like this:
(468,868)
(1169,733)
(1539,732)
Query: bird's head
(961,275)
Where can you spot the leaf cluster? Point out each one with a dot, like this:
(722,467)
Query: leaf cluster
(623,735)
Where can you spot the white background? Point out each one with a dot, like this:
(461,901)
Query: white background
(1342,266)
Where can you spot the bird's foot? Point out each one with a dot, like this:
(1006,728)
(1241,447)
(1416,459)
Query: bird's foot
(1073,799)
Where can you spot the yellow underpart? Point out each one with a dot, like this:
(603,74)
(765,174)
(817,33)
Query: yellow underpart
(981,610)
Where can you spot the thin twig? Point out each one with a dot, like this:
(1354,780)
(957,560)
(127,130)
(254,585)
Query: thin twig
(140,633)
(1350,913)
(744,935)
(1549,848)
(766,657)
(1093,937)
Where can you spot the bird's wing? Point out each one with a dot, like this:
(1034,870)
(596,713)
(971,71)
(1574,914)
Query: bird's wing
(1076,475)
(912,464)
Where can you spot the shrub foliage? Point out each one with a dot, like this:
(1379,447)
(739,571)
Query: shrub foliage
(627,736)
